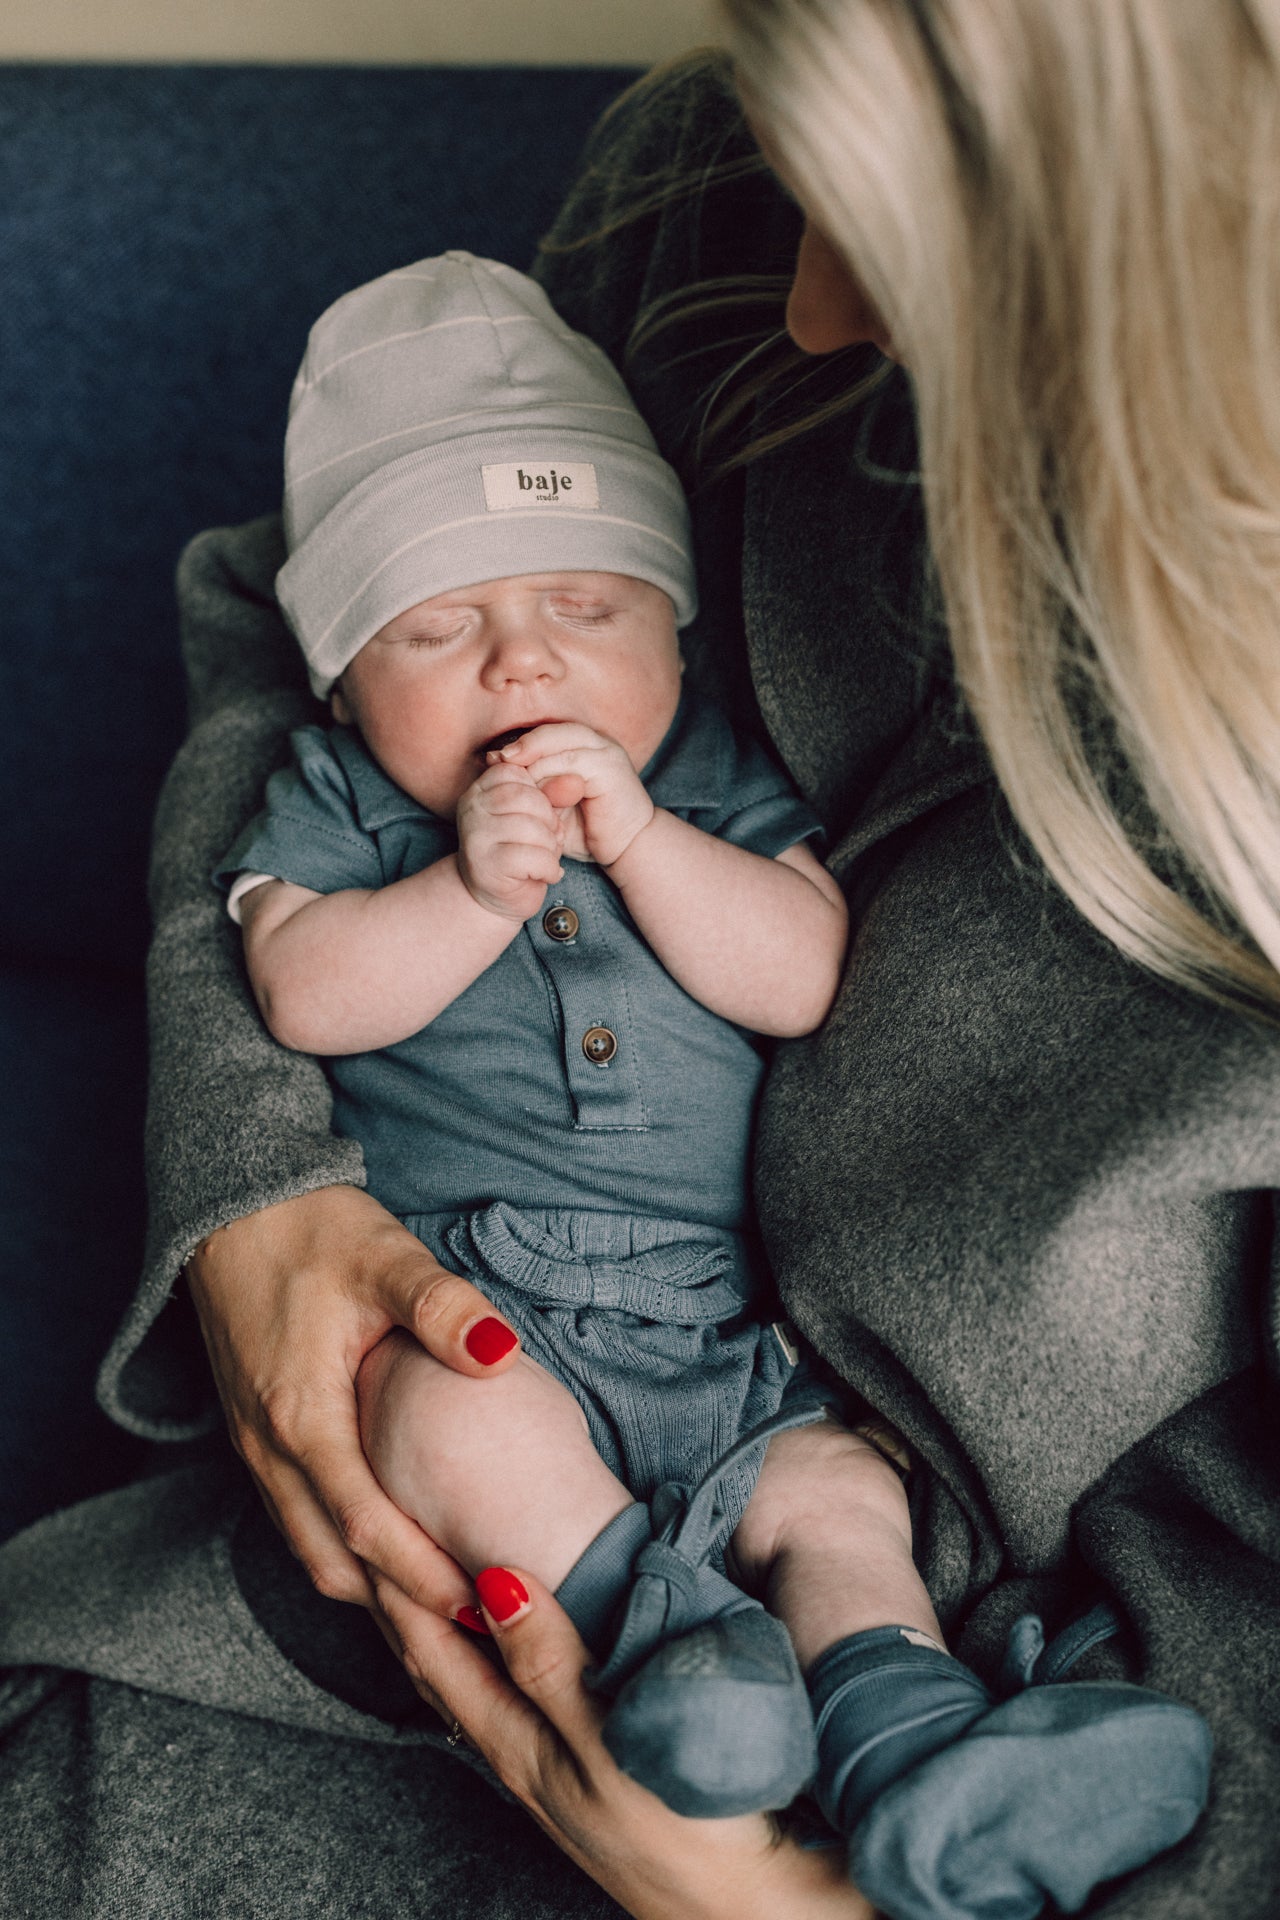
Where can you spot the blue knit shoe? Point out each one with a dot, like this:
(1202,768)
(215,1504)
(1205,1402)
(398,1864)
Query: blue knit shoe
(717,1722)
(958,1808)
(1042,1799)
(710,1711)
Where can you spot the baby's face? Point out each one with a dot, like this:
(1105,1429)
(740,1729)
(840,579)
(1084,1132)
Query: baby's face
(468,669)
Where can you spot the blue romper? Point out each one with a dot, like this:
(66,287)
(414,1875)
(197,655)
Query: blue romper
(572,1132)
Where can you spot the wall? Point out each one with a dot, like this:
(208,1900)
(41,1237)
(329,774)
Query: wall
(376,32)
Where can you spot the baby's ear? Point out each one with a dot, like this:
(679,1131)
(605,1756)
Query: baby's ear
(680,657)
(338,706)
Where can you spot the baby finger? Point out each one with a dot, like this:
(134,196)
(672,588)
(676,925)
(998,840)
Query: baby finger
(527,860)
(512,798)
(564,789)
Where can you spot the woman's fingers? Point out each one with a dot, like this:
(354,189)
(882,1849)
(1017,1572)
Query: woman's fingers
(512,1718)
(310,1533)
(461,1684)
(540,1731)
(290,1301)
(542,1653)
(541,1650)
(338,1522)
(392,1637)
(343,1526)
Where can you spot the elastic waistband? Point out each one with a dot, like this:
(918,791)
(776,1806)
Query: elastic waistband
(661,1269)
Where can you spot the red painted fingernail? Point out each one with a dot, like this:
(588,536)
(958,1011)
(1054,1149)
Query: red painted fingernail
(488,1340)
(473,1618)
(501,1593)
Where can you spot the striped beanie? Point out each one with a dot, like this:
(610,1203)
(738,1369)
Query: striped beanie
(445,428)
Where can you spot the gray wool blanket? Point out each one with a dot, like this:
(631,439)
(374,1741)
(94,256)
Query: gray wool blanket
(1017,1193)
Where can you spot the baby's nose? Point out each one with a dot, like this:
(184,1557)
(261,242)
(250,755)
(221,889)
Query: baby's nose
(523,653)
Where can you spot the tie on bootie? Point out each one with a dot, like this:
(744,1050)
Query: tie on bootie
(958,1808)
(709,1711)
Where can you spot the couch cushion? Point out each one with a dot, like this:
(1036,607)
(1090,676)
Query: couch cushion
(167,236)
(72,1066)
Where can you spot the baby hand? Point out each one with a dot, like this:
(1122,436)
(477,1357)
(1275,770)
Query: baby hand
(510,838)
(577,768)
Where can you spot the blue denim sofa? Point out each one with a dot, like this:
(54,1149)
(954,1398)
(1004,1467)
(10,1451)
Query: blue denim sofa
(167,235)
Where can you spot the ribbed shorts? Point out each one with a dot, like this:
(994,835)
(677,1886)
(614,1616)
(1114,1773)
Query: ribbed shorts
(651,1324)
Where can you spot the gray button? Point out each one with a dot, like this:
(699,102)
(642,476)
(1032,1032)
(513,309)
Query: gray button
(599,1044)
(560,923)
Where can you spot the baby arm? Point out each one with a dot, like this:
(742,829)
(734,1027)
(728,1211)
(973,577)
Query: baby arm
(760,941)
(345,972)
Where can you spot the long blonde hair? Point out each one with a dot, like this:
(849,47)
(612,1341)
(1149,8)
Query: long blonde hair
(765,390)
(1068,214)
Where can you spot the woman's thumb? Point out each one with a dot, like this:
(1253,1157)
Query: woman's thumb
(451,1318)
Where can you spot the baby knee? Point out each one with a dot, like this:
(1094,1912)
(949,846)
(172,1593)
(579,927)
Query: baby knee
(443,1443)
(817,1479)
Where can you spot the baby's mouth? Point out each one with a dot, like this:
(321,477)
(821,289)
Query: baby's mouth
(509,738)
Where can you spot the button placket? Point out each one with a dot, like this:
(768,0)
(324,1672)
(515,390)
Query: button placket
(581,943)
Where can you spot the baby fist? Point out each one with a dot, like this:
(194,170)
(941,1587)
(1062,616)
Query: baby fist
(509,843)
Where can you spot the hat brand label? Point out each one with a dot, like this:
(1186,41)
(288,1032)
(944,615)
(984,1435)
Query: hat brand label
(535,484)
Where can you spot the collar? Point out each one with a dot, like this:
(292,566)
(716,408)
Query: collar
(377,799)
(693,762)
(689,769)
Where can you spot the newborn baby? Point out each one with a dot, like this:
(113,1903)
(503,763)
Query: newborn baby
(534,902)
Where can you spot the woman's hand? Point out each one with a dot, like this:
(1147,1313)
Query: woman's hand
(290,1300)
(542,1737)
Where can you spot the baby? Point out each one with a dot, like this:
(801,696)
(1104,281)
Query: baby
(533,901)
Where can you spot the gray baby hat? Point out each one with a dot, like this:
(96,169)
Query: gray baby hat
(446,427)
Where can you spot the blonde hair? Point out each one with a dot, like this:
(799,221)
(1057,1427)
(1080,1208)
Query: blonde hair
(1068,214)
(770,386)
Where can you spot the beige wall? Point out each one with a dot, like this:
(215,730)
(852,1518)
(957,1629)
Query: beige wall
(372,31)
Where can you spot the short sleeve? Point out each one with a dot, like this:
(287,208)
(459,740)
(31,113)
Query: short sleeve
(308,831)
(760,808)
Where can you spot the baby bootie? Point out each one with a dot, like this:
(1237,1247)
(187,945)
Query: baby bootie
(709,1711)
(959,1808)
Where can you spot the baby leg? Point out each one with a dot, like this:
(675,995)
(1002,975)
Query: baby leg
(497,1471)
(956,1808)
(503,1471)
(826,1541)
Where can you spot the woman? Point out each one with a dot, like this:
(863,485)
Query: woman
(1017,1191)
